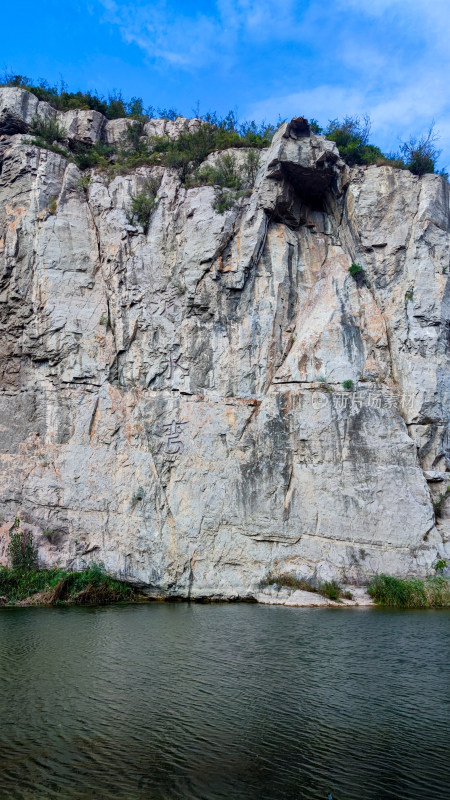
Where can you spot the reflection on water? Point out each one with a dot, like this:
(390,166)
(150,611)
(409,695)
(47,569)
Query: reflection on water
(168,701)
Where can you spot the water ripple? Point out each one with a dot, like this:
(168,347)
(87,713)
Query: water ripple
(197,702)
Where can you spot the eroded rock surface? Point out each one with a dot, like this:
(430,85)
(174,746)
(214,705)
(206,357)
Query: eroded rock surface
(171,403)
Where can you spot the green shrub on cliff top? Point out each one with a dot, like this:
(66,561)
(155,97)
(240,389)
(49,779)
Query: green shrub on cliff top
(190,149)
(48,130)
(112,107)
(420,154)
(98,155)
(352,139)
(351,134)
(230,179)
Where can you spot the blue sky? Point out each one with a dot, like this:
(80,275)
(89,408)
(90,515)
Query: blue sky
(387,58)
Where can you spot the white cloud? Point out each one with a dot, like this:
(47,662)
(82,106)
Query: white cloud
(193,40)
(407,110)
(181,41)
(261,19)
(427,18)
(396,69)
(323,102)
(387,58)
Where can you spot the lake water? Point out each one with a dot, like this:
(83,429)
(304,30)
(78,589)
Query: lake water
(204,702)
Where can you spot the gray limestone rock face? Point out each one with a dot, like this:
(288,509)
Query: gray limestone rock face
(84,126)
(171,127)
(18,108)
(172,401)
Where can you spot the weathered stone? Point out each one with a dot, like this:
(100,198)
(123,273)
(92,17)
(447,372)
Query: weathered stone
(172,403)
(84,126)
(115,130)
(302,599)
(171,127)
(18,108)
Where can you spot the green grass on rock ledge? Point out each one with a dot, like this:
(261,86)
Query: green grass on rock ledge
(330,589)
(56,586)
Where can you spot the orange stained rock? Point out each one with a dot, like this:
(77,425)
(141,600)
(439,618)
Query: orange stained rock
(231,417)
(17,213)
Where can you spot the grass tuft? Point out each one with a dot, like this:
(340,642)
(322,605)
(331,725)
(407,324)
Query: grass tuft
(143,204)
(333,590)
(410,592)
(56,586)
(356,270)
(47,130)
(330,589)
(437,504)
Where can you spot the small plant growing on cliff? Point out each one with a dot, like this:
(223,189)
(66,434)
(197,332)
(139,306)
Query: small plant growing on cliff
(421,154)
(52,206)
(315,127)
(21,551)
(348,385)
(437,504)
(231,180)
(83,183)
(352,139)
(47,130)
(356,270)
(409,295)
(86,156)
(133,140)
(52,536)
(223,201)
(143,205)
(225,174)
(251,165)
(324,385)
(441,565)
(137,497)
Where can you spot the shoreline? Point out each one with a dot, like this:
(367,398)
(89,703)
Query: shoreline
(94,587)
(295,599)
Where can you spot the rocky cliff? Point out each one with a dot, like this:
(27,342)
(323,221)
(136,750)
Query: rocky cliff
(171,402)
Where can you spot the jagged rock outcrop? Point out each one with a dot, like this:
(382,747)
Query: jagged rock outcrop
(171,403)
